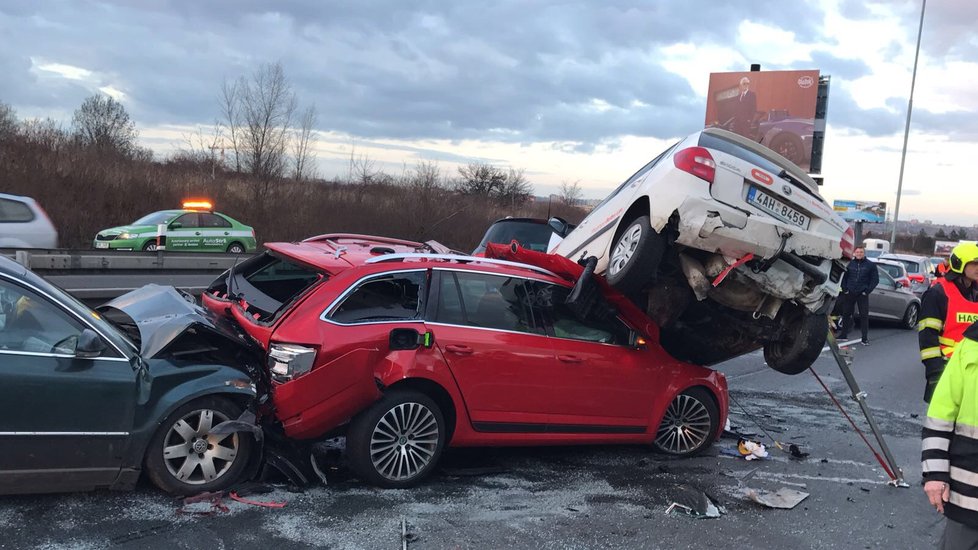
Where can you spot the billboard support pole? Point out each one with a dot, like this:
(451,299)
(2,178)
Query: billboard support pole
(857,235)
(906,129)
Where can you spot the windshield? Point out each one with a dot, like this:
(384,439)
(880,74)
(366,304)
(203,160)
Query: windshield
(893,270)
(155,218)
(532,235)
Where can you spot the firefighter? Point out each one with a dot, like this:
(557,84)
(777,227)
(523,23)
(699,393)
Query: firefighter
(948,463)
(946,310)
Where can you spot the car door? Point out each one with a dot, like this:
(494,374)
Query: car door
(503,363)
(887,301)
(602,383)
(215,232)
(184,233)
(64,420)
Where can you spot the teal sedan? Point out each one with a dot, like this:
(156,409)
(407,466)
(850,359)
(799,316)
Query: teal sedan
(188,230)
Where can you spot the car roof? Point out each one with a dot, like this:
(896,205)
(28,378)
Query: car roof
(20,198)
(889,262)
(908,257)
(338,252)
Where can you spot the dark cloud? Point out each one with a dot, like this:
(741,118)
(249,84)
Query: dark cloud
(513,71)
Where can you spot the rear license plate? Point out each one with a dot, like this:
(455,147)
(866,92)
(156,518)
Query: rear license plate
(101,245)
(777,208)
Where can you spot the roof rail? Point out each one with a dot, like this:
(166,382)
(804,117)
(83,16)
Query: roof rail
(457,258)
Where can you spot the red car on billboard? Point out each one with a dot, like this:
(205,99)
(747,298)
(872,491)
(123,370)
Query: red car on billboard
(406,352)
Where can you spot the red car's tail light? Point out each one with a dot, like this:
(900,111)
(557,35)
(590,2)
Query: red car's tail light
(848,243)
(696,161)
(288,361)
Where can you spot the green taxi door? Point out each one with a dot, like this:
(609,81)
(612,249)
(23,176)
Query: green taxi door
(184,233)
(66,411)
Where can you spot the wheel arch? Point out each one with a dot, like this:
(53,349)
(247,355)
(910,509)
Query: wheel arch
(438,393)
(237,242)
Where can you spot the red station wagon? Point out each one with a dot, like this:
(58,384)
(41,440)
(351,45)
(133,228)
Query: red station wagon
(407,352)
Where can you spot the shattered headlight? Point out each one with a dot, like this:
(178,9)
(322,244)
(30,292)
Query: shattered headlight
(287,361)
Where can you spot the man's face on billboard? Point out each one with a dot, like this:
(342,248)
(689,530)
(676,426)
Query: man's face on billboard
(744,85)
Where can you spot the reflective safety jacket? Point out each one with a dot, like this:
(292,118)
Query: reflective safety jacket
(950,434)
(945,312)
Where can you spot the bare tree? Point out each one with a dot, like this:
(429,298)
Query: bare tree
(231,119)
(480,180)
(303,154)
(8,121)
(103,123)
(516,190)
(570,193)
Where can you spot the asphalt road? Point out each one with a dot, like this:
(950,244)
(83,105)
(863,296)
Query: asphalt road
(578,497)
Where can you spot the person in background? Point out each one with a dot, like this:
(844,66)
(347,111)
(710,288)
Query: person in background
(948,462)
(745,109)
(858,282)
(946,310)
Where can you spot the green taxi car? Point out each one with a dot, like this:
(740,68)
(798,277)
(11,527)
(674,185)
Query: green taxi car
(188,230)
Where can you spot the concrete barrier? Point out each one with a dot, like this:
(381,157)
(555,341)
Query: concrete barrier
(99,260)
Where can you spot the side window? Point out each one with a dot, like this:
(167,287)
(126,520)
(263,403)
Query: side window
(212,220)
(15,212)
(188,220)
(488,301)
(389,297)
(30,323)
(885,280)
(599,324)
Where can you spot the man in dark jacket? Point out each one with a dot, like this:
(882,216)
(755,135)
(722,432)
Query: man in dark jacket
(859,280)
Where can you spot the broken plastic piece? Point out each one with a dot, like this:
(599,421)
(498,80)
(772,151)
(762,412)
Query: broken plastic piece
(695,503)
(795,452)
(784,498)
(234,496)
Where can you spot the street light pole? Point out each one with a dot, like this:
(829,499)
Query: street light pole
(906,129)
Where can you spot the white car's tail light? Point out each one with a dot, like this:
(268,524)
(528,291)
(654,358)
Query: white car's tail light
(848,243)
(697,161)
(288,361)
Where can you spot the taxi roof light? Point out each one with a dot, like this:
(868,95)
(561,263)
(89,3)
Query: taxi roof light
(198,204)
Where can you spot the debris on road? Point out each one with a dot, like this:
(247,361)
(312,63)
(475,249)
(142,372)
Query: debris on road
(784,498)
(695,503)
(796,452)
(751,450)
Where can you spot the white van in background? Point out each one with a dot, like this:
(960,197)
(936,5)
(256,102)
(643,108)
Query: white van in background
(24,224)
(876,247)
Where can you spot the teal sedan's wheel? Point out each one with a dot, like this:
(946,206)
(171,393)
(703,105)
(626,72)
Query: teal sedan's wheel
(184,457)
(236,248)
(150,246)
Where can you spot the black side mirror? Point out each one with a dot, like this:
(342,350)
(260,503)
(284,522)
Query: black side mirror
(408,339)
(90,345)
(559,225)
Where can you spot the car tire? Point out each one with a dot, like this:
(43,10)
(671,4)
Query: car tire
(170,461)
(382,446)
(789,146)
(803,337)
(910,317)
(150,246)
(236,248)
(689,424)
(634,256)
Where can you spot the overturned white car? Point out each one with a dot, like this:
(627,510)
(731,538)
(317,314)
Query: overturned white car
(730,244)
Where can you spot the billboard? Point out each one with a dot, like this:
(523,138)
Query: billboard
(773,108)
(944,248)
(861,211)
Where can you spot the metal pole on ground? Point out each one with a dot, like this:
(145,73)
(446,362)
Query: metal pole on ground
(860,397)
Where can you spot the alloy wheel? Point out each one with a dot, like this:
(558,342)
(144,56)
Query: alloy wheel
(912,314)
(195,456)
(685,426)
(151,247)
(625,248)
(404,441)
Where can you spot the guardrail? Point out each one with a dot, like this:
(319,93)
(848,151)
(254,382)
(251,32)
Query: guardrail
(100,260)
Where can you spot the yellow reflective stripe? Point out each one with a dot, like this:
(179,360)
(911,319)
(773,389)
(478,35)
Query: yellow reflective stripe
(930,353)
(946,341)
(930,322)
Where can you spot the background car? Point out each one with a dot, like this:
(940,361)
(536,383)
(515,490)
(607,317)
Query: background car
(87,405)
(896,270)
(24,224)
(408,352)
(729,245)
(790,137)
(532,233)
(919,269)
(893,301)
(195,228)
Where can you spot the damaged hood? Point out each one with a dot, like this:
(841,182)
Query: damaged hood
(159,317)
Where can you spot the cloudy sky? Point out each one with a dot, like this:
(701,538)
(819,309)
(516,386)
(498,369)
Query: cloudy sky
(567,90)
